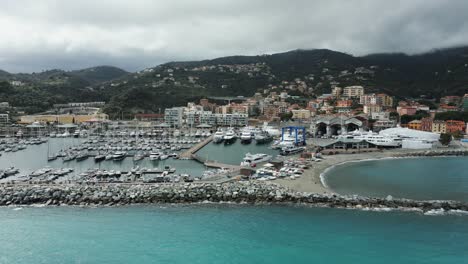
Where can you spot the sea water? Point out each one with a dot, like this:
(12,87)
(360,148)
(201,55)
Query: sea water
(228,234)
(444,178)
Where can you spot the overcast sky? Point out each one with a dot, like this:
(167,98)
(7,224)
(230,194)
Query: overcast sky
(135,34)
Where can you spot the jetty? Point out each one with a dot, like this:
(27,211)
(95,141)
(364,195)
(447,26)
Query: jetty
(190,152)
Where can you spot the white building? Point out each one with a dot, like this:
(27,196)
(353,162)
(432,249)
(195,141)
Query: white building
(4,119)
(174,116)
(179,116)
(380,115)
(353,91)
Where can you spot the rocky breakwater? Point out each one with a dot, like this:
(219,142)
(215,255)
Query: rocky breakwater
(237,192)
(435,153)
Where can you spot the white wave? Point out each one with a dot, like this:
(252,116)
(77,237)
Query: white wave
(17,209)
(457,212)
(435,212)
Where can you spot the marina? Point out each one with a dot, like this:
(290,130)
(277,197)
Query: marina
(127,156)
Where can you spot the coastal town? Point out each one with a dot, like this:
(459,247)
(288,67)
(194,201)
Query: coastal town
(267,131)
(264,132)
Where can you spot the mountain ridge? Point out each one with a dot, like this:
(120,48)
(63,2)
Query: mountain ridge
(434,74)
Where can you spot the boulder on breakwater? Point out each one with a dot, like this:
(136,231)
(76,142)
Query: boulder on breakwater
(237,192)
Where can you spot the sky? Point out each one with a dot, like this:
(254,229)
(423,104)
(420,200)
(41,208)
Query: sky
(38,35)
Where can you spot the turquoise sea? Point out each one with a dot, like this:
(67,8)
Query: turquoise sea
(228,234)
(444,178)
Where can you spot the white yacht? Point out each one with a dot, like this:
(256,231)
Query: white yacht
(246,136)
(154,155)
(254,159)
(218,136)
(272,131)
(262,138)
(290,150)
(229,137)
(119,155)
(374,138)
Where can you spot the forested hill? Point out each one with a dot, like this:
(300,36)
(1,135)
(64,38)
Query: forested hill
(301,72)
(36,92)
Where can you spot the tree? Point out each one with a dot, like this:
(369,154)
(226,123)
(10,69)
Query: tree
(394,116)
(445,139)
(286,116)
(457,134)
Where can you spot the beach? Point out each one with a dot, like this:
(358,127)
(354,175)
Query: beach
(312,182)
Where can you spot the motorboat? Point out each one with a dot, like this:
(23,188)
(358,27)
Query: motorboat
(291,150)
(99,157)
(229,137)
(262,138)
(254,159)
(154,155)
(218,137)
(119,155)
(246,137)
(272,131)
(69,157)
(52,157)
(138,157)
(82,156)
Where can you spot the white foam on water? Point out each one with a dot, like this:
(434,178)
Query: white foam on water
(435,212)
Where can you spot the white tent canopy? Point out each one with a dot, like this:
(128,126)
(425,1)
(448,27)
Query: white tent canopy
(404,132)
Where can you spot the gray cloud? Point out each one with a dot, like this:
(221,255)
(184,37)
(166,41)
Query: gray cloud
(38,35)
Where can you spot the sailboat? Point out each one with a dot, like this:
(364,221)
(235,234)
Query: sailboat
(50,157)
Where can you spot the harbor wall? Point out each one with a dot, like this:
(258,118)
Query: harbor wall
(236,192)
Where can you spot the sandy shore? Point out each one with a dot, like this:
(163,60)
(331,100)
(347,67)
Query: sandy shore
(311,182)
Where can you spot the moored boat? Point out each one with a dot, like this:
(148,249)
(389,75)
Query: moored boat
(229,137)
(254,159)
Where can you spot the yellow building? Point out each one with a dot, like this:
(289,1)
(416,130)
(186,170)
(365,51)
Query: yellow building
(385,100)
(369,109)
(439,126)
(415,124)
(62,119)
(301,114)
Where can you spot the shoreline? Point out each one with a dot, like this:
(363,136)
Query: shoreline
(307,190)
(313,180)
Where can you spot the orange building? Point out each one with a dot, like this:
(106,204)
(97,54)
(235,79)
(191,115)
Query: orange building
(453,126)
(344,103)
(415,124)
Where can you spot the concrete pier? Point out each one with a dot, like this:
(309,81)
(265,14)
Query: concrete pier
(189,153)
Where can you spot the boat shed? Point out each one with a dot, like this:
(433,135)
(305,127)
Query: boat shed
(345,143)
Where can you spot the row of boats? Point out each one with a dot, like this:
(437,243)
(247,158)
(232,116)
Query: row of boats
(14,144)
(246,136)
(164,133)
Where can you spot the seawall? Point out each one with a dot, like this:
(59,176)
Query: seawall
(237,192)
